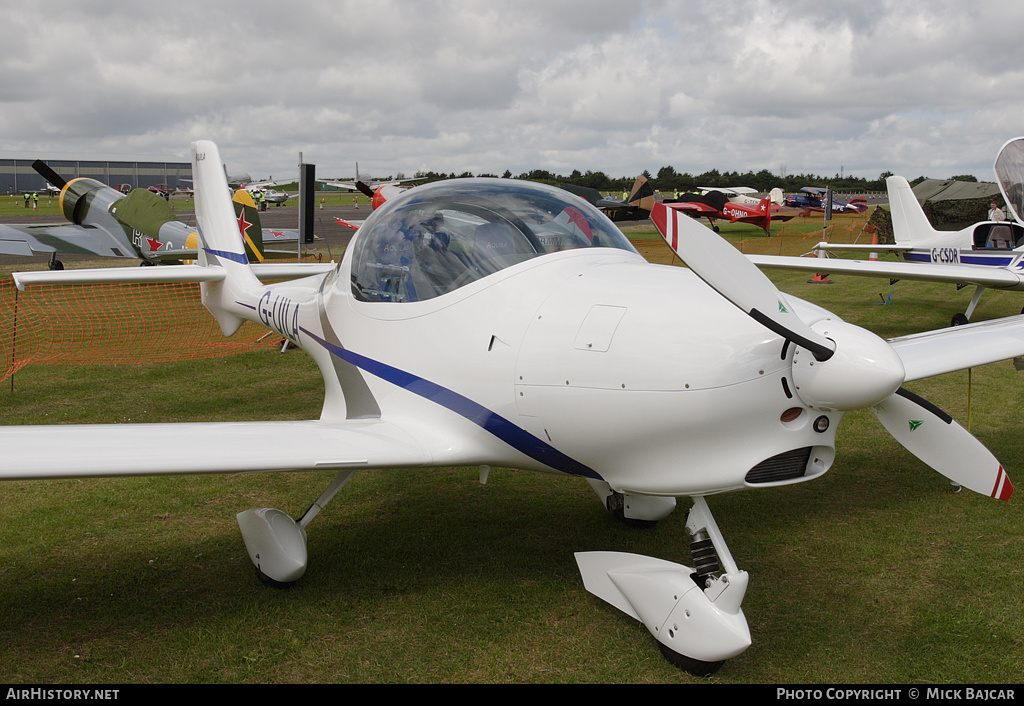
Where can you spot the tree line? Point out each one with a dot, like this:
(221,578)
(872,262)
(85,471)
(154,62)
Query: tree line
(669,180)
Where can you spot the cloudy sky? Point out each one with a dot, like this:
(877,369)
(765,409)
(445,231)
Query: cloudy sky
(926,88)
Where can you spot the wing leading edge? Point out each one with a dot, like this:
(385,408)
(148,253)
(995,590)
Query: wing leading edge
(959,347)
(986,276)
(97,450)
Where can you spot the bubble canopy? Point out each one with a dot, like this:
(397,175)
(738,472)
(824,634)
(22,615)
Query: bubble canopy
(1009,168)
(438,237)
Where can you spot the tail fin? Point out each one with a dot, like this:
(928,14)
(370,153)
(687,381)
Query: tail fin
(776,195)
(220,240)
(642,194)
(858,204)
(908,220)
(248,216)
(766,212)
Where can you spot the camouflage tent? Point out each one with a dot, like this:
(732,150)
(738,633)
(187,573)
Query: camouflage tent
(953,190)
(952,205)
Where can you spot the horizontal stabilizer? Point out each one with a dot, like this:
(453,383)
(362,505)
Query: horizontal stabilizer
(167,274)
(121,275)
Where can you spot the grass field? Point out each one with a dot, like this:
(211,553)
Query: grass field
(876,573)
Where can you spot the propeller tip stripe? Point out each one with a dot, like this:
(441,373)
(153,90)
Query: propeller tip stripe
(1003,488)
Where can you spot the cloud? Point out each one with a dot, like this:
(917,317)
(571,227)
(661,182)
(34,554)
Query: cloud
(459,85)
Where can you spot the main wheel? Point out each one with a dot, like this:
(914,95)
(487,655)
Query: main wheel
(960,319)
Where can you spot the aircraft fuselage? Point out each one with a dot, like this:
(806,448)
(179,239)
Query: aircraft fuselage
(589,362)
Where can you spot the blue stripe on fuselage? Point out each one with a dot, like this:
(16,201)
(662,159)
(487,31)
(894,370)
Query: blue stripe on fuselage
(514,436)
(991,261)
(987,260)
(233,256)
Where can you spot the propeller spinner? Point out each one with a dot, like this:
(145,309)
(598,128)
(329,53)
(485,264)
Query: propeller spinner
(841,366)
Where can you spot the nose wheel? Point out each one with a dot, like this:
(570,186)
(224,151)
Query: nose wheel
(693,613)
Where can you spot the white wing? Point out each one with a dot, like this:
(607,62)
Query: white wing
(959,347)
(984,275)
(75,451)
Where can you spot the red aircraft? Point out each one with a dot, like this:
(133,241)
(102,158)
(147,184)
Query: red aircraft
(716,206)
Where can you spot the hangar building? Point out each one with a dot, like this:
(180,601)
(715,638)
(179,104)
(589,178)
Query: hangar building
(138,171)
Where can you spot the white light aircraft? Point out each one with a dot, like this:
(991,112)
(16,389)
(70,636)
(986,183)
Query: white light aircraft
(271,195)
(501,322)
(744,194)
(364,182)
(988,254)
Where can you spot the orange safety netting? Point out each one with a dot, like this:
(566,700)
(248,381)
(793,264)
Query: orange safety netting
(113,324)
(793,241)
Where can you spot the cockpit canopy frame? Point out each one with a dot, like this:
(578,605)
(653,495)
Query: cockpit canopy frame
(438,237)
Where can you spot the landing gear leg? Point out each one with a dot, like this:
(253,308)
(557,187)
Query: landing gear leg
(693,613)
(277,543)
(961,319)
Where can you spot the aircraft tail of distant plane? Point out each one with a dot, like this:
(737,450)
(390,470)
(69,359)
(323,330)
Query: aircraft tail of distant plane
(248,217)
(642,194)
(777,196)
(765,209)
(229,269)
(858,204)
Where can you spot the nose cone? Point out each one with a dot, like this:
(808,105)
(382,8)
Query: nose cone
(863,371)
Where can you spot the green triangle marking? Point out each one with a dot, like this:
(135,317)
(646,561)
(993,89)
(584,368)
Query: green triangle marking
(782,308)
(914,424)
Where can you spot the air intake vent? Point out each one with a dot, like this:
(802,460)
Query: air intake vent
(784,466)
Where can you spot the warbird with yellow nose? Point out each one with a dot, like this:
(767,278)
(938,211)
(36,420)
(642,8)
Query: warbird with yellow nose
(497,322)
(139,225)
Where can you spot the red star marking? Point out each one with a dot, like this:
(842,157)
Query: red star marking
(278,233)
(154,244)
(243,225)
(577,218)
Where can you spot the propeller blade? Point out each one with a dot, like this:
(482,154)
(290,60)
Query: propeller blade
(935,438)
(43,169)
(731,274)
(364,189)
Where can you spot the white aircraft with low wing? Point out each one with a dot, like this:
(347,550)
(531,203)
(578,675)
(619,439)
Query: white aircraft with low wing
(364,182)
(497,322)
(744,194)
(988,254)
(270,195)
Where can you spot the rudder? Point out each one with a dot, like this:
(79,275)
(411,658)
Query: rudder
(249,227)
(220,240)
(908,220)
